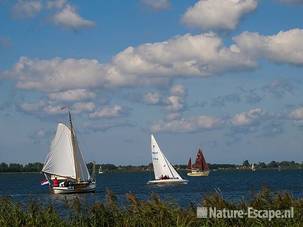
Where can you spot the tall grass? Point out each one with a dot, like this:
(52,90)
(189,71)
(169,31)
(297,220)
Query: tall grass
(153,212)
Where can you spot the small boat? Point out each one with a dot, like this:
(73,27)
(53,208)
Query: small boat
(64,167)
(200,168)
(100,170)
(164,172)
(253,168)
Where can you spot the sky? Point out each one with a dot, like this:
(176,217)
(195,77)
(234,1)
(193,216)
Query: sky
(221,75)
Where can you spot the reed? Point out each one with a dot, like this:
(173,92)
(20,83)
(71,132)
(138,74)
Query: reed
(152,212)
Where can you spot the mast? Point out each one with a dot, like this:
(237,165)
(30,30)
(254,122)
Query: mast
(74,147)
(189,164)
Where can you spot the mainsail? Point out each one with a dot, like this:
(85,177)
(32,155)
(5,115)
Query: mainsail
(162,166)
(200,162)
(65,158)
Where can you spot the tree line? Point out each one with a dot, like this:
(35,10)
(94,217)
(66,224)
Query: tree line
(37,166)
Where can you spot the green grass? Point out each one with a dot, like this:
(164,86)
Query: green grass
(152,212)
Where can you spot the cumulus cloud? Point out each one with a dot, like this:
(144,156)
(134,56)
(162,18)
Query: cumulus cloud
(297,114)
(32,107)
(247,118)
(157,4)
(72,95)
(183,125)
(80,107)
(153,63)
(218,14)
(57,74)
(69,18)
(175,103)
(152,98)
(182,56)
(108,112)
(284,47)
(50,108)
(56,4)
(26,8)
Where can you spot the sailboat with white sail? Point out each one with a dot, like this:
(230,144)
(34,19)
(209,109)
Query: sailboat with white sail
(64,167)
(100,170)
(164,172)
(253,168)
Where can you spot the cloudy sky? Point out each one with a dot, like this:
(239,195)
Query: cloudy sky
(223,75)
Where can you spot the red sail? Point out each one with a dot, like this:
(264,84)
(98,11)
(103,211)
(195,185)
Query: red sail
(200,162)
(189,164)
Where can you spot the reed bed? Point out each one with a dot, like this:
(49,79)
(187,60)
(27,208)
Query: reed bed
(152,212)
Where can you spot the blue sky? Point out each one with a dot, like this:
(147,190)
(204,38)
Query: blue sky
(223,75)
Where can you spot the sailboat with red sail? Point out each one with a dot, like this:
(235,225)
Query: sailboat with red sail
(199,168)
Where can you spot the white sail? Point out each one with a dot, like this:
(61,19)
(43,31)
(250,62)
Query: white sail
(61,161)
(162,166)
(83,171)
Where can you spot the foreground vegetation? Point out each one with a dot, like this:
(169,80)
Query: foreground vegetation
(152,212)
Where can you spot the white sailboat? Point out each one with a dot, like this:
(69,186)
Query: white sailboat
(100,170)
(163,170)
(253,168)
(64,167)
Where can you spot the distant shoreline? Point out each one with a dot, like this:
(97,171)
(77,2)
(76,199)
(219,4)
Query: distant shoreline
(181,170)
(37,167)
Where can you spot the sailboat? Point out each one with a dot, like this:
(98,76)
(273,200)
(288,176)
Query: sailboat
(253,168)
(100,170)
(64,167)
(164,172)
(200,168)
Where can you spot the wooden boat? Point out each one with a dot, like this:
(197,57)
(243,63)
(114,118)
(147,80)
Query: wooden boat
(64,167)
(199,168)
(164,172)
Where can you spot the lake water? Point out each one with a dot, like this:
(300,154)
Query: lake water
(234,185)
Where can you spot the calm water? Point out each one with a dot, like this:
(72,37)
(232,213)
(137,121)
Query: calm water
(234,185)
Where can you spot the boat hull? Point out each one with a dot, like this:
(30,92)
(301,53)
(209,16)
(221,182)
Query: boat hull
(198,174)
(78,188)
(168,181)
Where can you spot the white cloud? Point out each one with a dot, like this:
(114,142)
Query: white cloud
(284,47)
(157,4)
(177,90)
(26,8)
(153,63)
(107,112)
(152,98)
(175,103)
(32,107)
(183,125)
(297,114)
(218,14)
(80,107)
(72,95)
(56,4)
(247,118)
(182,56)
(58,74)
(51,108)
(69,18)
